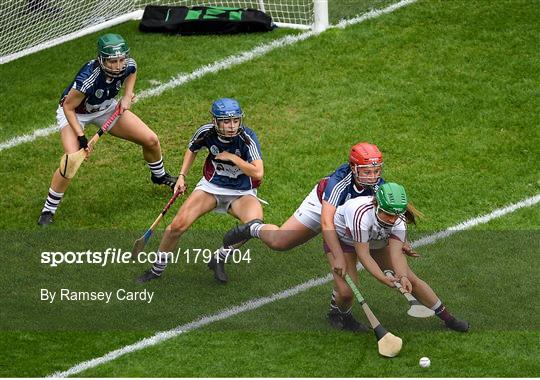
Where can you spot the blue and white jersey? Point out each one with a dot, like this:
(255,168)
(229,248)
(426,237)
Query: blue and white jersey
(225,173)
(339,187)
(92,81)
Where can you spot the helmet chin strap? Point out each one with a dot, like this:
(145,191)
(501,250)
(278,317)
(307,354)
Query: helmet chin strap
(109,72)
(359,182)
(225,140)
(381,222)
(113,74)
(223,137)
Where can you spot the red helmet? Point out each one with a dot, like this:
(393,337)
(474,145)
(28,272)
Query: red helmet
(365,154)
(366,161)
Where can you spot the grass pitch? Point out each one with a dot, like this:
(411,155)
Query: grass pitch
(448,90)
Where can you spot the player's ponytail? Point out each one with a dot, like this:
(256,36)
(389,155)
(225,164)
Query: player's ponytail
(244,137)
(411,214)
(205,136)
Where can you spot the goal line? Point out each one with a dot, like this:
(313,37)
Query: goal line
(33,25)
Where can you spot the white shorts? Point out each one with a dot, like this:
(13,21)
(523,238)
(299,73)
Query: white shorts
(309,212)
(224,196)
(98,118)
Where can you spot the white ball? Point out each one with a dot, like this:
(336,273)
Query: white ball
(424,362)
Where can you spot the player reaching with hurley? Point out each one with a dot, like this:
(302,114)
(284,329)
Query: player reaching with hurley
(373,230)
(232,172)
(90,99)
(361,176)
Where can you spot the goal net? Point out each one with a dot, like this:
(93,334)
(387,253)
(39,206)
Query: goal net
(27,26)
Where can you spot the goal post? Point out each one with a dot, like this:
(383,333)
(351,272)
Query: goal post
(320,15)
(28,26)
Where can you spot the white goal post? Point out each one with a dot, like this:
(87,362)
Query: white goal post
(27,26)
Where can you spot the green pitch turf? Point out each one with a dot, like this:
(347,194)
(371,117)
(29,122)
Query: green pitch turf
(449,92)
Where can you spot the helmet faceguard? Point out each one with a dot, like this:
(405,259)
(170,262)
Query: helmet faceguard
(391,199)
(228,117)
(112,47)
(366,163)
(382,222)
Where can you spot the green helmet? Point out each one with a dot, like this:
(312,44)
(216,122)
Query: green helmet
(391,198)
(112,46)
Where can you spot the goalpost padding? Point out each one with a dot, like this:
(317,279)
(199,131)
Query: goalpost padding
(27,26)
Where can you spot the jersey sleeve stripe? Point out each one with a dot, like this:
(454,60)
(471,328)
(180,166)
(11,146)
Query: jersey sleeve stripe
(338,189)
(88,82)
(199,132)
(354,231)
(131,62)
(253,149)
(357,222)
(395,237)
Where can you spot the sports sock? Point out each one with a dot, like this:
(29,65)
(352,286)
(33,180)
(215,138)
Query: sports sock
(441,312)
(255,229)
(333,304)
(346,312)
(161,263)
(157,168)
(222,253)
(52,201)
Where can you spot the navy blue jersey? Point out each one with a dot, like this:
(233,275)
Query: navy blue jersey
(339,187)
(92,81)
(225,173)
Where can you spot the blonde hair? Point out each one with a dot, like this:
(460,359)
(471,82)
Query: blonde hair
(412,213)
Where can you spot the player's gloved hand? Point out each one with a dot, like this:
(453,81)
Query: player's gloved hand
(408,250)
(83,142)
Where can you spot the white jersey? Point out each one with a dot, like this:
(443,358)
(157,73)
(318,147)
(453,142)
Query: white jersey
(356,222)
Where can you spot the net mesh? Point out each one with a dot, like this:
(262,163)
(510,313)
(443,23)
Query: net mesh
(28,23)
(295,12)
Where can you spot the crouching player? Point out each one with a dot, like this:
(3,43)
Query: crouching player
(232,172)
(90,99)
(360,176)
(373,229)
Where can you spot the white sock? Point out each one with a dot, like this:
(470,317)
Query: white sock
(222,253)
(52,201)
(160,265)
(255,230)
(157,168)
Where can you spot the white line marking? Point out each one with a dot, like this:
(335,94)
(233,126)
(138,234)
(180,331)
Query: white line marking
(258,302)
(476,221)
(223,64)
(27,138)
(226,63)
(166,335)
(372,14)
